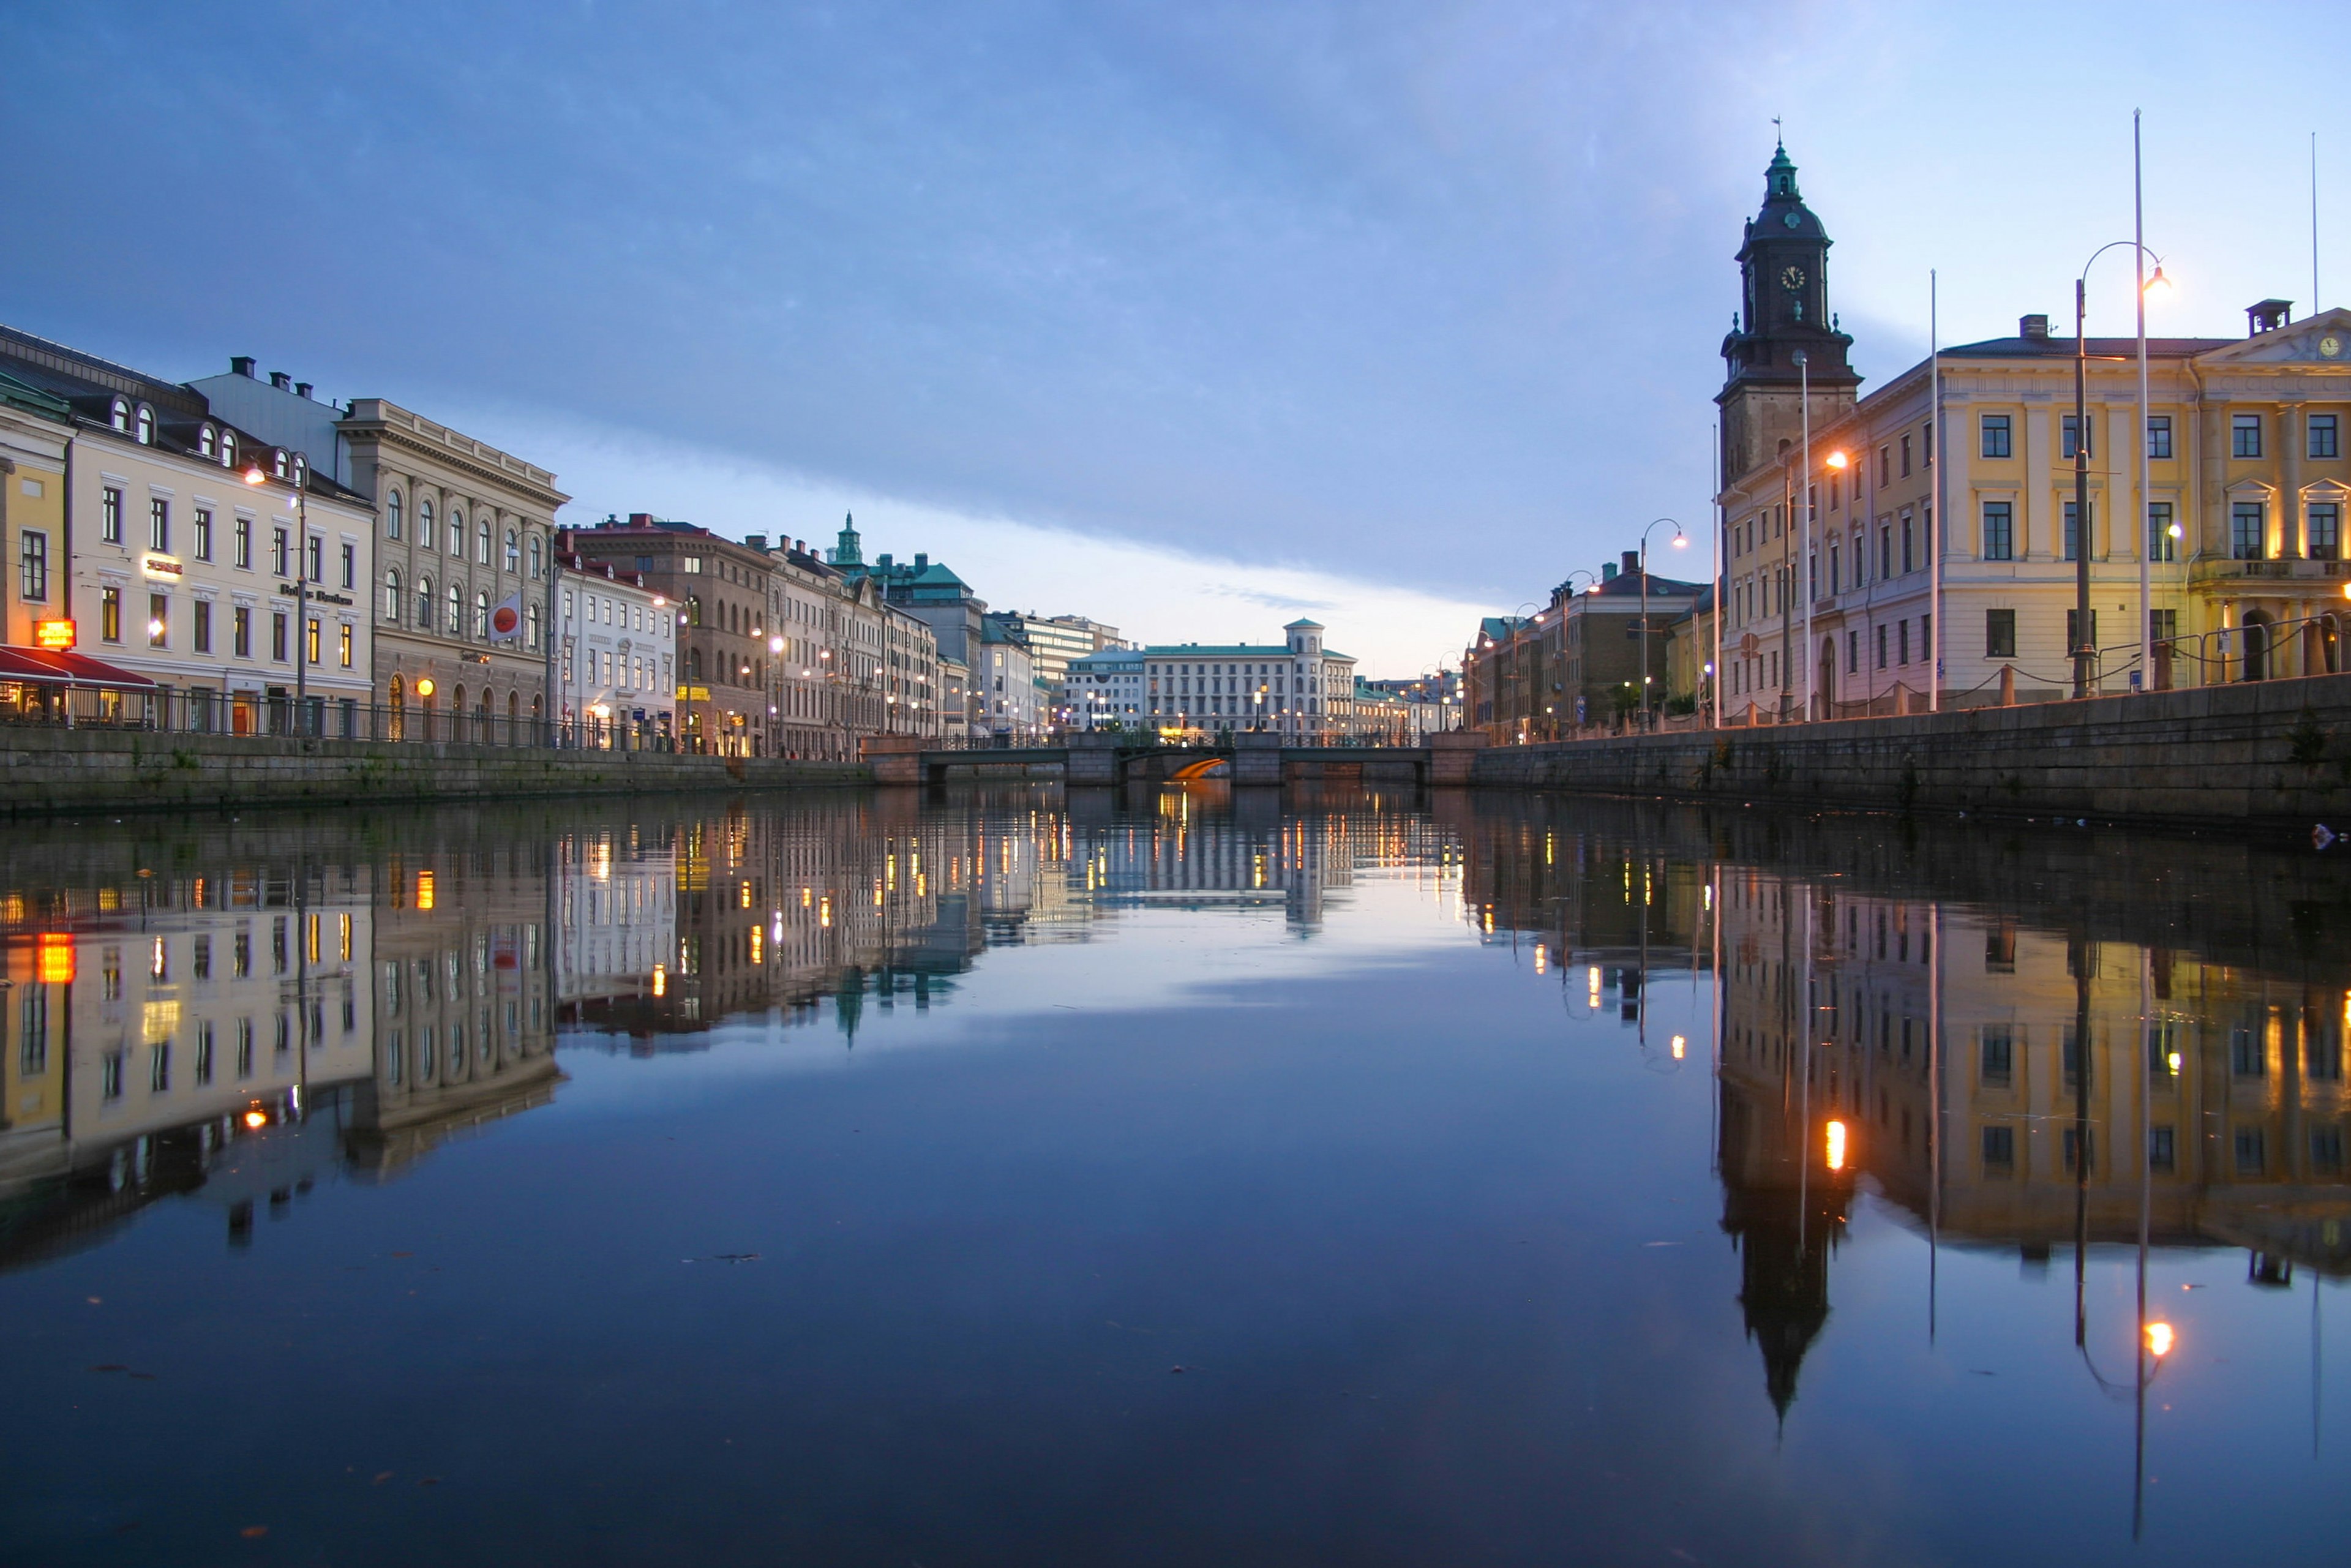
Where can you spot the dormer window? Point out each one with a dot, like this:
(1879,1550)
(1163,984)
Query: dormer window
(118,416)
(302,469)
(278,465)
(145,428)
(207,442)
(228,449)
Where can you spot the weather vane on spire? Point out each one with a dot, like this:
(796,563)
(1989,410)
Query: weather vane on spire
(1777,135)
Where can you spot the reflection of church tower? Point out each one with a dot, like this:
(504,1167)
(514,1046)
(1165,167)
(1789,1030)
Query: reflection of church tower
(1786,1223)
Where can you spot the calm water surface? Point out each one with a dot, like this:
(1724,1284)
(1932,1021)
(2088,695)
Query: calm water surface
(1008,1178)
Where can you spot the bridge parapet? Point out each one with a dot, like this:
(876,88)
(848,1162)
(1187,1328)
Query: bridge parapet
(1450,754)
(895,759)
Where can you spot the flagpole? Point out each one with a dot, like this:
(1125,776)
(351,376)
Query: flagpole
(2146,540)
(1937,525)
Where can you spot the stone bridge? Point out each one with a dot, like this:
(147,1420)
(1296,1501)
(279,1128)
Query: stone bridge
(1112,759)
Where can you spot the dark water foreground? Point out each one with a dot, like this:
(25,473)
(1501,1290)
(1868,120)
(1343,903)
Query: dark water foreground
(1015,1180)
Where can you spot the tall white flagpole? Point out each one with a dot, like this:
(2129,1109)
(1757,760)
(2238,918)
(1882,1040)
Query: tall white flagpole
(1940,525)
(2146,541)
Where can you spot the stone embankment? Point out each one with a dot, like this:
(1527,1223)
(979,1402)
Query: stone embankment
(48,772)
(2264,754)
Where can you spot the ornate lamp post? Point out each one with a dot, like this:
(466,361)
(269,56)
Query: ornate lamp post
(1681,541)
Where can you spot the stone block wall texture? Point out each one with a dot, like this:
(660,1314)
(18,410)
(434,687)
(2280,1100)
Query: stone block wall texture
(2259,753)
(47,771)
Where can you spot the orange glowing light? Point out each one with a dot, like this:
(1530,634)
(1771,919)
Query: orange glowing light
(54,633)
(1836,460)
(424,890)
(1681,1047)
(661,979)
(56,959)
(1836,1145)
(256,1118)
(2158,1339)
(426,688)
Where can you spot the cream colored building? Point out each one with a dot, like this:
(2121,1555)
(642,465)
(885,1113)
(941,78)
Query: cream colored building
(457,594)
(1833,600)
(615,660)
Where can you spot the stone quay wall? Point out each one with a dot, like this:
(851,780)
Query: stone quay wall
(2270,754)
(49,771)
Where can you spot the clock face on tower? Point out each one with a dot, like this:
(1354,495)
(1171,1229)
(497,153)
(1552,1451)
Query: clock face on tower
(1792,278)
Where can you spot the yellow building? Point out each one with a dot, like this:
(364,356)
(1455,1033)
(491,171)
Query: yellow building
(1832,604)
(34,430)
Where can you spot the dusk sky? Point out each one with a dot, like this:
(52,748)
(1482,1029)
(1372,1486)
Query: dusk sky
(1189,317)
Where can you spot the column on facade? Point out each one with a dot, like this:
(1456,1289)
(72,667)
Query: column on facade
(2040,530)
(2293,443)
(2212,528)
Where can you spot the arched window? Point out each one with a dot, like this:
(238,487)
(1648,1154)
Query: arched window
(534,557)
(391,594)
(457,533)
(481,614)
(118,416)
(693,610)
(424,522)
(425,604)
(514,551)
(694,666)
(482,544)
(278,465)
(207,442)
(531,615)
(228,449)
(392,516)
(301,470)
(456,611)
(146,426)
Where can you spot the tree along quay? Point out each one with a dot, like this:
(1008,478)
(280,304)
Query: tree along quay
(2262,754)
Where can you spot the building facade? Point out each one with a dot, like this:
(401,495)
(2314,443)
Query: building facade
(1919,571)
(223,570)
(463,544)
(615,658)
(1297,688)
(35,428)
(1104,690)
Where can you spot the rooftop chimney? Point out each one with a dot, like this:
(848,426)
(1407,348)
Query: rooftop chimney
(1632,562)
(240,365)
(2268,316)
(2032,329)
(302,389)
(1607,571)
(922,561)
(757,542)
(281,380)
(882,562)
(641,519)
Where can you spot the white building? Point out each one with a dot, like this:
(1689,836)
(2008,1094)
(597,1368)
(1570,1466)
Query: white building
(223,570)
(1104,691)
(1005,684)
(616,659)
(1299,688)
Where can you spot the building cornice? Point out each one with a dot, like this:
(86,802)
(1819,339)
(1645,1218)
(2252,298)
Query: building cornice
(403,431)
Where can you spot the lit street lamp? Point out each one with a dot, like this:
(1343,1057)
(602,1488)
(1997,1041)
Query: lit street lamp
(1681,541)
(2084,648)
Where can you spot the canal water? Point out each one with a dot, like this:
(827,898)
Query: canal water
(1008,1177)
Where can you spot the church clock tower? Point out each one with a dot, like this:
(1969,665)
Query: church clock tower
(1784,310)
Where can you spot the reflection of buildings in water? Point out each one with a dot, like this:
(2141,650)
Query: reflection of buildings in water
(150,1033)
(615,912)
(2216,1087)
(462,993)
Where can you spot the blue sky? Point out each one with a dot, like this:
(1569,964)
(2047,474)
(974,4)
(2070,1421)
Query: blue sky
(1190,318)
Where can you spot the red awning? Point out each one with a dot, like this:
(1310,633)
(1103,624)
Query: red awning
(58,666)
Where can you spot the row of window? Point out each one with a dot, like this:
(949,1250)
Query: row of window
(201,539)
(2248,532)
(431,615)
(240,629)
(213,442)
(2322,436)
(428,534)
(2248,1145)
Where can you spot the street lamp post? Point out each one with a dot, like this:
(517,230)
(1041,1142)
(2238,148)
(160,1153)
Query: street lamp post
(253,475)
(1680,540)
(2085,649)
(1800,578)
